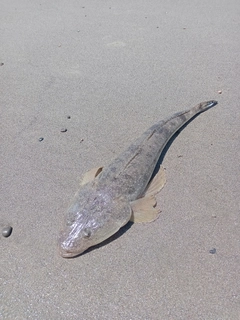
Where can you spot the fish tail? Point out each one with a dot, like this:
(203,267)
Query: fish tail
(186,115)
(203,106)
(199,108)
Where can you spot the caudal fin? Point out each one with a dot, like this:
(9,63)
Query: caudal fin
(204,106)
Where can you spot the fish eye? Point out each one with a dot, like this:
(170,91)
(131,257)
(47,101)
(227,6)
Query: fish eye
(87,233)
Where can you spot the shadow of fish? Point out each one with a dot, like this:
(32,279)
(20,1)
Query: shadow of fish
(110,197)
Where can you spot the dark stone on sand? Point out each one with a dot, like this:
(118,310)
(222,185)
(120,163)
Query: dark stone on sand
(213,251)
(6,231)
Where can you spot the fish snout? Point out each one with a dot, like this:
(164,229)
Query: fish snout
(65,252)
(67,247)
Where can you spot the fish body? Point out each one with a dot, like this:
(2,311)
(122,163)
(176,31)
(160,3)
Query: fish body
(111,196)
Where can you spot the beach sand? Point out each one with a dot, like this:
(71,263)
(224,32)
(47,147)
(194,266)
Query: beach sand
(106,71)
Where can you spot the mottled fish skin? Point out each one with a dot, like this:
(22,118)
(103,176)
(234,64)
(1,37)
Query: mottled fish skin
(102,206)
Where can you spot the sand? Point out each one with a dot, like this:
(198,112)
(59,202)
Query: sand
(106,71)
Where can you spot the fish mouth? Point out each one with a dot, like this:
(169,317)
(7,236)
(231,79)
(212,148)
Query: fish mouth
(68,253)
(66,249)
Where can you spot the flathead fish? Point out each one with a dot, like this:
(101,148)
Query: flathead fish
(122,191)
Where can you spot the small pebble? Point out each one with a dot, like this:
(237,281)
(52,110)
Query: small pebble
(1,63)
(219,91)
(41,139)
(81,140)
(69,117)
(63,130)
(6,231)
(213,251)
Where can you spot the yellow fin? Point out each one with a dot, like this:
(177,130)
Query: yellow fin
(157,183)
(143,209)
(90,175)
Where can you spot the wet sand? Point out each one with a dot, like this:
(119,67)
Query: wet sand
(79,82)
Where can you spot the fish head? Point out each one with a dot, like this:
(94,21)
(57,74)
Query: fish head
(93,217)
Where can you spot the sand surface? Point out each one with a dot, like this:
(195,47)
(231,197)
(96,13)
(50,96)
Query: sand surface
(115,68)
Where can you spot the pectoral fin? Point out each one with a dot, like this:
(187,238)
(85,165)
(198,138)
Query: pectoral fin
(143,209)
(157,183)
(90,175)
